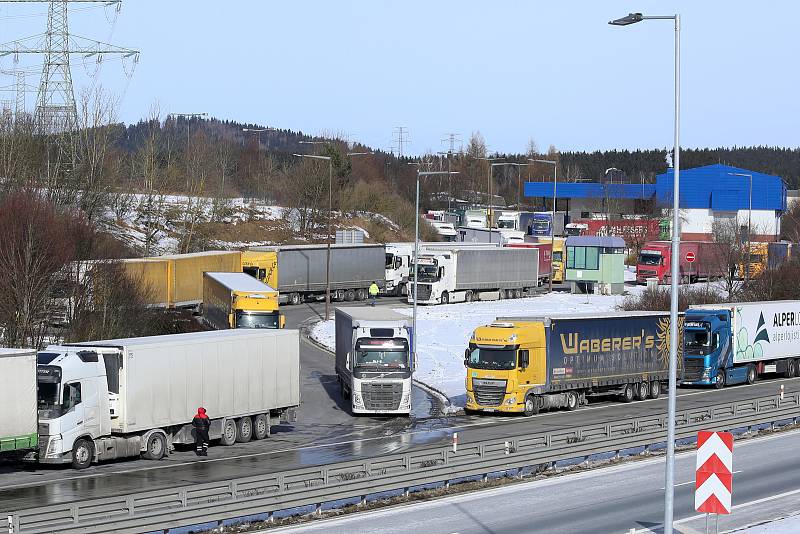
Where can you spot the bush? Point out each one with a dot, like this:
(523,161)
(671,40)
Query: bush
(658,299)
(773,284)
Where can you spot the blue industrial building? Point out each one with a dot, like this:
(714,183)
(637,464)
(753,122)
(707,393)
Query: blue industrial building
(706,193)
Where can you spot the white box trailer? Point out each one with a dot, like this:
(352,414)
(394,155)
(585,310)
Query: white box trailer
(18,420)
(139,395)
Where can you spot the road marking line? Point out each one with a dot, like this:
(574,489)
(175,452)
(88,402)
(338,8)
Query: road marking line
(692,481)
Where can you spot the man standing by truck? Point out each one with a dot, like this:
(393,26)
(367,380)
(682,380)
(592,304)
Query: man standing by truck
(373,293)
(201,424)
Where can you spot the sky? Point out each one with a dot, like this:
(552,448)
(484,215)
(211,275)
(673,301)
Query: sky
(554,72)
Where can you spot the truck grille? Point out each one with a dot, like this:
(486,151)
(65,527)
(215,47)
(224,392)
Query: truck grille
(646,273)
(423,291)
(692,369)
(379,396)
(489,392)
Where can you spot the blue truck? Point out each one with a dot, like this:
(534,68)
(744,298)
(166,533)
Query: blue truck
(737,343)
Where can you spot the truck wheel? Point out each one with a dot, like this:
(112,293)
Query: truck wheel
(531,405)
(260,426)
(228,433)
(791,369)
(518,293)
(361,294)
(82,453)
(628,393)
(244,429)
(445,297)
(797,368)
(572,400)
(642,389)
(655,389)
(349,295)
(295,299)
(751,374)
(720,383)
(501,294)
(468,296)
(156,447)
(338,295)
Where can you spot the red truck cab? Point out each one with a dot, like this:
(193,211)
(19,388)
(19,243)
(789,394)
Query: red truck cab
(698,260)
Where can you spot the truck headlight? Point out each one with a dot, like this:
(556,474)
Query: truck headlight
(706,373)
(470,399)
(511,400)
(357,400)
(53,445)
(406,401)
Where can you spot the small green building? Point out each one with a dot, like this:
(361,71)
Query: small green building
(596,264)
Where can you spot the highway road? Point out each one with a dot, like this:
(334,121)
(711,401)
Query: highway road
(615,499)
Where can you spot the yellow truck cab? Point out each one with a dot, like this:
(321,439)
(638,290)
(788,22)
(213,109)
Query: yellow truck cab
(261,265)
(237,300)
(759,254)
(528,364)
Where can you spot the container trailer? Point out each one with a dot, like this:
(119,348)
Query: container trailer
(18,421)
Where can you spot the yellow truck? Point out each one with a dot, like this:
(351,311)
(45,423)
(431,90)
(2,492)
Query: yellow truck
(237,300)
(528,364)
(176,281)
(759,256)
(261,265)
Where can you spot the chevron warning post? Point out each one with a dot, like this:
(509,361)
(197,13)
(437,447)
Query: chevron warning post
(714,473)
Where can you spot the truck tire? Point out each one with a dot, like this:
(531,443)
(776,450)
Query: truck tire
(349,295)
(338,295)
(573,401)
(468,296)
(82,453)
(628,393)
(260,426)
(797,368)
(655,389)
(445,297)
(531,406)
(295,299)
(791,368)
(156,447)
(721,381)
(244,429)
(518,293)
(751,374)
(642,390)
(361,294)
(501,294)
(228,433)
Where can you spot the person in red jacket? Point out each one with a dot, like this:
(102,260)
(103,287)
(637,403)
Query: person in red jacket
(201,424)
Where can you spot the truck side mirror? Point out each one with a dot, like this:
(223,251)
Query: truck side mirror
(523,359)
(466,358)
(282,321)
(347,361)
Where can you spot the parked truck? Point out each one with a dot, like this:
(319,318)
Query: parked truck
(18,422)
(759,258)
(474,273)
(545,258)
(302,271)
(102,400)
(529,364)
(237,300)
(176,281)
(699,260)
(373,359)
(475,218)
(737,343)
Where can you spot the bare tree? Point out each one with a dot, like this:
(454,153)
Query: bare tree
(730,241)
(305,189)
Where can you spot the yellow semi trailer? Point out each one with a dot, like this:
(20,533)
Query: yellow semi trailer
(237,300)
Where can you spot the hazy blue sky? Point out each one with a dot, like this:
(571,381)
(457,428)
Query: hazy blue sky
(515,70)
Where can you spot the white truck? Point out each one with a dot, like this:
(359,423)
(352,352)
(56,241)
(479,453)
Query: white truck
(18,422)
(373,359)
(398,266)
(102,400)
(502,236)
(474,273)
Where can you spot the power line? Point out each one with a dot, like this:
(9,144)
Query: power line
(402,139)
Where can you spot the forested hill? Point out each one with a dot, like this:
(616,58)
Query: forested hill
(638,164)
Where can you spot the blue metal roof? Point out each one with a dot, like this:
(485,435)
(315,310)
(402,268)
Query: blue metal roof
(711,187)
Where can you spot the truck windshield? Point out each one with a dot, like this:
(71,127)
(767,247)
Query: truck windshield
(486,358)
(557,255)
(427,273)
(48,400)
(381,353)
(649,259)
(697,341)
(541,226)
(505,223)
(256,320)
(389,261)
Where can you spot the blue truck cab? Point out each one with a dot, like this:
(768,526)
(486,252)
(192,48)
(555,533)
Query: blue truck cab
(708,349)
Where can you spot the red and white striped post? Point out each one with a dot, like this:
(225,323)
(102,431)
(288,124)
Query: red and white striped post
(714,473)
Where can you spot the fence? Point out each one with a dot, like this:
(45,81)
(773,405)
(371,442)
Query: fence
(196,504)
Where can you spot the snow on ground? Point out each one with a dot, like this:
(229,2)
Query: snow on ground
(444,331)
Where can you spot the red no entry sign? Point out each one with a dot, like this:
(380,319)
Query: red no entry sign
(690,257)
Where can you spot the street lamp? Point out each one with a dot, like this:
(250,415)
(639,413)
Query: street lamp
(187,116)
(258,131)
(669,492)
(329,159)
(553,222)
(749,216)
(416,256)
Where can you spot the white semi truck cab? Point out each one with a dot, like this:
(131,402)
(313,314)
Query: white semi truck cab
(373,359)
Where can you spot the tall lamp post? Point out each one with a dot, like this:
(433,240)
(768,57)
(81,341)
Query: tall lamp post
(749,218)
(669,492)
(258,131)
(553,221)
(330,215)
(420,174)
